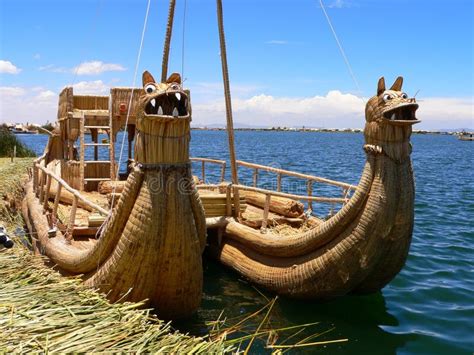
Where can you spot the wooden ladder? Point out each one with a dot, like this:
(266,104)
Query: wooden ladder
(83,145)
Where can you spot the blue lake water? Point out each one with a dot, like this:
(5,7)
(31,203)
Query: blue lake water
(427,309)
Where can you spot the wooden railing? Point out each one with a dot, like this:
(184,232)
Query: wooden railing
(203,161)
(310,180)
(42,178)
(280,173)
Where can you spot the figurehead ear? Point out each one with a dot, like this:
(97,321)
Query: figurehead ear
(381,86)
(397,85)
(174,78)
(147,78)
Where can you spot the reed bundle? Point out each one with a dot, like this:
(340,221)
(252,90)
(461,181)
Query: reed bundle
(12,177)
(281,205)
(163,140)
(89,102)
(41,311)
(262,327)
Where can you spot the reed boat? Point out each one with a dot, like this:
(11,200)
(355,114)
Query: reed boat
(140,233)
(359,248)
(145,243)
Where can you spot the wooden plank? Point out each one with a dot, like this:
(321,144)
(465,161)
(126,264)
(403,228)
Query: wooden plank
(97,144)
(84,231)
(97,127)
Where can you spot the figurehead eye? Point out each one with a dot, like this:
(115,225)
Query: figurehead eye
(150,88)
(387,97)
(175,86)
(404,96)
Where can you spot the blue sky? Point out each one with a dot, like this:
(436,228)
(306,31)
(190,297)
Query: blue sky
(285,66)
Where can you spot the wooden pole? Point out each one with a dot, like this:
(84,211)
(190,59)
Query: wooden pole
(228,104)
(48,188)
(223,172)
(266,210)
(309,188)
(166,49)
(255,177)
(279,182)
(95,139)
(203,171)
(14,153)
(56,203)
(72,219)
(82,153)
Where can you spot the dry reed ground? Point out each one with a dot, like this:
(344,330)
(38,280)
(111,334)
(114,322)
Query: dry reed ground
(41,311)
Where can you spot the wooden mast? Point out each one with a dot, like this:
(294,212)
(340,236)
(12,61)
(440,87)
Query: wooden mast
(228,104)
(166,49)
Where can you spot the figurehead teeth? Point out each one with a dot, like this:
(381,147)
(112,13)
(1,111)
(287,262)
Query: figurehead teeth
(175,112)
(178,96)
(153,102)
(160,111)
(394,117)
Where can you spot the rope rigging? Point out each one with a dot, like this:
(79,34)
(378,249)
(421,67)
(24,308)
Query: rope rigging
(99,231)
(341,49)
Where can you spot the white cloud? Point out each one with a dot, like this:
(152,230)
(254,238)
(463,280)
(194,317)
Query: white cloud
(53,69)
(8,67)
(276,41)
(45,95)
(215,90)
(334,110)
(86,68)
(37,56)
(338,4)
(96,67)
(96,87)
(11,91)
(447,112)
(25,105)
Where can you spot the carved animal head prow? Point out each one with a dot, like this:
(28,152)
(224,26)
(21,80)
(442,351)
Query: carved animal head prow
(389,116)
(164,100)
(391,106)
(163,122)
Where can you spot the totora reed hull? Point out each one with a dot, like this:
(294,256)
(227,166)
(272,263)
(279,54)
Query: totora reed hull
(363,246)
(150,245)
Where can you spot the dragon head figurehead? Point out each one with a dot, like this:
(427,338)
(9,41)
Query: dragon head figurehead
(164,100)
(389,117)
(163,121)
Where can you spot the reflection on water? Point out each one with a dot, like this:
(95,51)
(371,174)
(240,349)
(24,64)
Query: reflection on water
(359,318)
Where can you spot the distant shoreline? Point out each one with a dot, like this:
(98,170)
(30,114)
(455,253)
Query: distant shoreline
(315,130)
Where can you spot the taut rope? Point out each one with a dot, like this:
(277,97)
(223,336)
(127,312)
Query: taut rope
(99,231)
(341,49)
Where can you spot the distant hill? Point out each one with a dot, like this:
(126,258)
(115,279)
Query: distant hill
(222,125)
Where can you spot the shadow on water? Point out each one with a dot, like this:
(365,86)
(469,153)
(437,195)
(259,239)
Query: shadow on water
(357,318)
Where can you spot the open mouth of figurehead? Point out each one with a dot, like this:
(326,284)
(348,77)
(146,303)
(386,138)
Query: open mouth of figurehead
(402,114)
(171,104)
